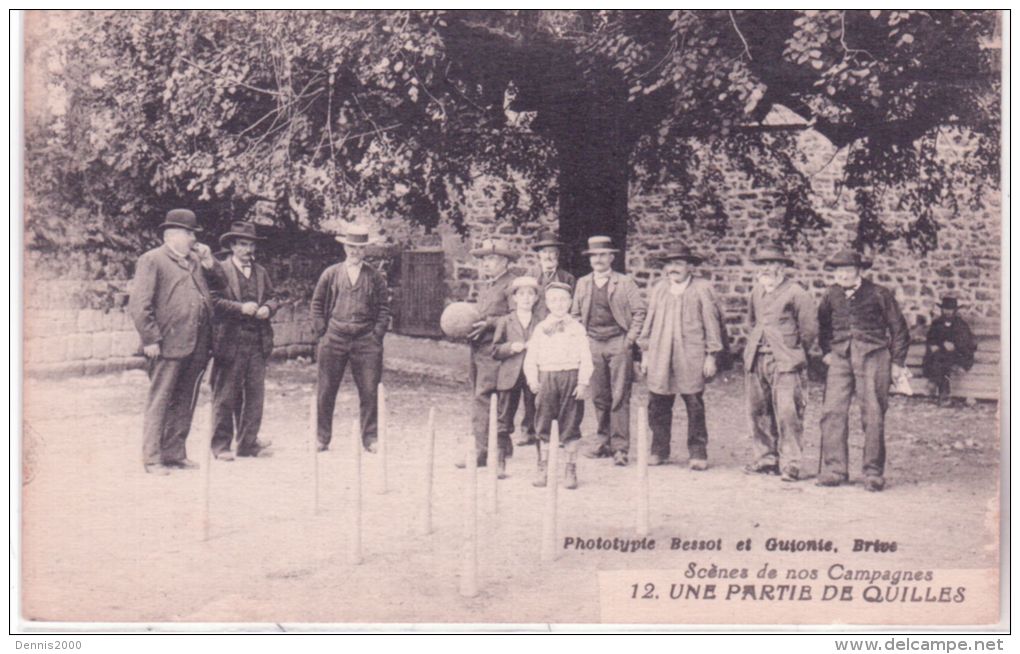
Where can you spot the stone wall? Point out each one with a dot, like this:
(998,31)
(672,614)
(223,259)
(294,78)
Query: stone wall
(62,337)
(966,263)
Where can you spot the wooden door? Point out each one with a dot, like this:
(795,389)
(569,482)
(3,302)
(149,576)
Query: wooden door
(422,292)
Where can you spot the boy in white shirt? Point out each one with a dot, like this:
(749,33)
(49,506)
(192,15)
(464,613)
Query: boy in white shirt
(558,367)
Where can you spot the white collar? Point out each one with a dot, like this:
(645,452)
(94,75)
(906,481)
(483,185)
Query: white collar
(677,289)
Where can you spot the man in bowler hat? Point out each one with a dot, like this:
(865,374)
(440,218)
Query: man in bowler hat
(172,308)
(864,339)
(548,270)
(610,307)
(242,343)
(350,315)
(949,344)
(783,325)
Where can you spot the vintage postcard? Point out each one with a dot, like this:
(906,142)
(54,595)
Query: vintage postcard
(661,320)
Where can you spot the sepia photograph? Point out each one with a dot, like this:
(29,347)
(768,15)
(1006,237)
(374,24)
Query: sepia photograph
(512,321)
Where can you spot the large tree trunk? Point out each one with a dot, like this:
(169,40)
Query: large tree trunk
(593,180)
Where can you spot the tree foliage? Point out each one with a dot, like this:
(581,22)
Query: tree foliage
(400,111)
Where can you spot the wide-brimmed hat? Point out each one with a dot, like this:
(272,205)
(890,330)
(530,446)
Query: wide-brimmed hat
(547,240)
(949,303)
(598,244)
(524,281)
(494,246)
(354,235)
(769,253)
(181,218)
(847,257)
(681,253)
(241,229)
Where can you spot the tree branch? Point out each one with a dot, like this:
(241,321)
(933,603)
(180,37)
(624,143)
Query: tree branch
(231,80)
(733,19)
(848,51)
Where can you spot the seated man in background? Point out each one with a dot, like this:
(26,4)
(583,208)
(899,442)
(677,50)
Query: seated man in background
(949,343)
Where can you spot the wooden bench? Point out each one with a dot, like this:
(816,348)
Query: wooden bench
(983,381)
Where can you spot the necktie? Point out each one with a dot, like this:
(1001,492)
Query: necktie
(554,328)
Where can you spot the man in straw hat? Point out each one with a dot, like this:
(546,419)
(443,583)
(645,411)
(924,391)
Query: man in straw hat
(864,339)
(242,343)
(350,314)
(494,302)
(509,342)
(949,344)
(172,309)
(611,309)
(681,338)
(547,271)
(783,325)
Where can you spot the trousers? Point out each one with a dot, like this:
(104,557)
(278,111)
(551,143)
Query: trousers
(365,355)
(507,402)
(556,401)
(528,421)
(660,419)
(610,389)
(173,392)
(776,401)
(866,375)
(239,392)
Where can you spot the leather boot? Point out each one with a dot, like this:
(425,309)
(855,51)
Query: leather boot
(570,476)
(501,463)
(543,470)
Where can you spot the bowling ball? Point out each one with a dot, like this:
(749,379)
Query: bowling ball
(458,318)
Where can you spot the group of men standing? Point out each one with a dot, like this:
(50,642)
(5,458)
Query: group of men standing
(188,306)
(543,338)
(681,334)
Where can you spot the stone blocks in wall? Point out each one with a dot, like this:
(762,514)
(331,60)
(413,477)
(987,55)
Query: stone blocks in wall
(79,346)
(125,343)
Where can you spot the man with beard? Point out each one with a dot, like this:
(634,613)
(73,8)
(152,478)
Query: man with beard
(783,327)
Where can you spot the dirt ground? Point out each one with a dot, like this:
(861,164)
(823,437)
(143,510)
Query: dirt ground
(102,541)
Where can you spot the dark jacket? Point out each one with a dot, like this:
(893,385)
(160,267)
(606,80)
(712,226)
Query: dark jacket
(560,275)
(229,318)
(625,302)
(509,330)
(871,318)
(956,331)
(787,320)
(167,298)
(370,294)
(494,302)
